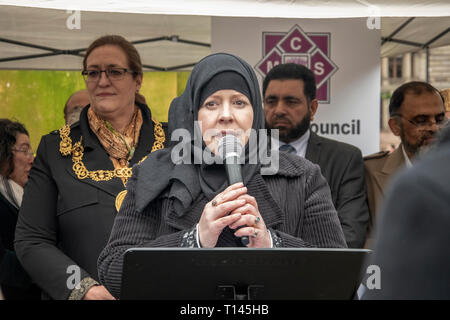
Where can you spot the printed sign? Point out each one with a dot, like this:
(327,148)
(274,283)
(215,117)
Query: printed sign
(296,46)
(344,55)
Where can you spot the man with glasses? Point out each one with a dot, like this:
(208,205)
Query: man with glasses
(416,113)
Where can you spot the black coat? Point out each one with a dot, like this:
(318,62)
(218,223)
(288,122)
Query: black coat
(14,281)
(65,222)
(342,166)
(295,203)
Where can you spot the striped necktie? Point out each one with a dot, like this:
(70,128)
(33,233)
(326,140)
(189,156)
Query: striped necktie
(288,148)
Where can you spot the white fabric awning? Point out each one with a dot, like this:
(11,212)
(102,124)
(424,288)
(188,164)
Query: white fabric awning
(253,8)
(31,27)
(178,32)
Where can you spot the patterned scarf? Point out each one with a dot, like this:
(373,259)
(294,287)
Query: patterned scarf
(119,152)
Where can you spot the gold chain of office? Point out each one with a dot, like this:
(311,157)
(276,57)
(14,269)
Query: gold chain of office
(77,151)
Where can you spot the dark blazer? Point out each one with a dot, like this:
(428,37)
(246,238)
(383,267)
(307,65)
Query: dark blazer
(412,236)
(65,221)
(295,204)
(14,281)
(343,167)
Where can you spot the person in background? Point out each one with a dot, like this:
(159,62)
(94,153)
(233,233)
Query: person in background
(16,159)
(446,94)
(416,114)
(190,204)
(412,237)
(74,105)
(290,104)
(79,175)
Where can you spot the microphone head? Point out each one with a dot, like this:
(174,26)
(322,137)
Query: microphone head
(229,146)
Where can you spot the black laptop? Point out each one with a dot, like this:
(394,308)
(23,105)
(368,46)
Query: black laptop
(241,273)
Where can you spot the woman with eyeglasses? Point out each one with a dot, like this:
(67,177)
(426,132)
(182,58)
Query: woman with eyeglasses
(16,159)
(79,176)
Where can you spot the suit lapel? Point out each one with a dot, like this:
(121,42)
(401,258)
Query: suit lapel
(393,163)
(313,149)
(146,136)
(267,206)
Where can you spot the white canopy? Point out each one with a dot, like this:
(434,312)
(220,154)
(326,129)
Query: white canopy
(253,8)
(174,34)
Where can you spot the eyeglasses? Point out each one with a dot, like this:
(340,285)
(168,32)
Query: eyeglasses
(423,123)
(28,152)
(113,74)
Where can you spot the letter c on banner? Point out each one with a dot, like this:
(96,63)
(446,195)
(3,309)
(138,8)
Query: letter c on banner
(293,45)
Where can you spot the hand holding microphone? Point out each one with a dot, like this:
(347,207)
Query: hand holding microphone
(230,150)
(233,207)
(250,224)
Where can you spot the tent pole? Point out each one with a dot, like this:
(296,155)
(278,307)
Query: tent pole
(404,24)
(427,64)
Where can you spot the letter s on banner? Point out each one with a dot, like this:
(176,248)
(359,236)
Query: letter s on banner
(319,68)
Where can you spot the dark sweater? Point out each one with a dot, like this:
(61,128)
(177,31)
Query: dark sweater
(295,204)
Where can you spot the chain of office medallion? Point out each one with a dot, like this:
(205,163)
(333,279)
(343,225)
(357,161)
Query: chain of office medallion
(77,151)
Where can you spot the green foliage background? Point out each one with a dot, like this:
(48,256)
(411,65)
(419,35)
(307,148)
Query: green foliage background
(37,98)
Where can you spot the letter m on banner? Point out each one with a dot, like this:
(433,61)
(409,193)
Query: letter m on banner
(296,46)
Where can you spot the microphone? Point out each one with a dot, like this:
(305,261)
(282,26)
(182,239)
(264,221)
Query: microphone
(230,150)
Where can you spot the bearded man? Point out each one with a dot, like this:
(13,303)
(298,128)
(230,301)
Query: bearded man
(290,104)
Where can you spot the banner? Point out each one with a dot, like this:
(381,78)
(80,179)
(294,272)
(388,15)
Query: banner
(344,55)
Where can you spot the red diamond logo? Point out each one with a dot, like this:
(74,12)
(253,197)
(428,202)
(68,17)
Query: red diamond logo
(295,46)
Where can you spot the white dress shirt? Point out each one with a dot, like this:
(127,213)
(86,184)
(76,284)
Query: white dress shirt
(408,162)
(300,144)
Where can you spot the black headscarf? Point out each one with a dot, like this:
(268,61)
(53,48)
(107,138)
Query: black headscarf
(187,181)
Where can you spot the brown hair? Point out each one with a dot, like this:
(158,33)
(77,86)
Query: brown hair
(8,134)
(133,57)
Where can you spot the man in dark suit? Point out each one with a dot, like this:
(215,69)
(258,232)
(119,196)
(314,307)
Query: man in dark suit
(411,246)
(290,104)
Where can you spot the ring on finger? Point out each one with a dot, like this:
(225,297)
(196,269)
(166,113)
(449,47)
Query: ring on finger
(257,219)
(255,233)
(214,202)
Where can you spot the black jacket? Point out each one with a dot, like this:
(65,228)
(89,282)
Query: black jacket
(295,204)
(14,281)
(65,222)
(342,166)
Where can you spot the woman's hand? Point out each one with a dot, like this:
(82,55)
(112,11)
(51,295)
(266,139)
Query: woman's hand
(98,293)
(215,215)
(252,223)
(233,207)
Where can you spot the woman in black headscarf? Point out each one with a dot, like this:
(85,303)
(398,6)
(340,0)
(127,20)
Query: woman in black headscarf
(185,202)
